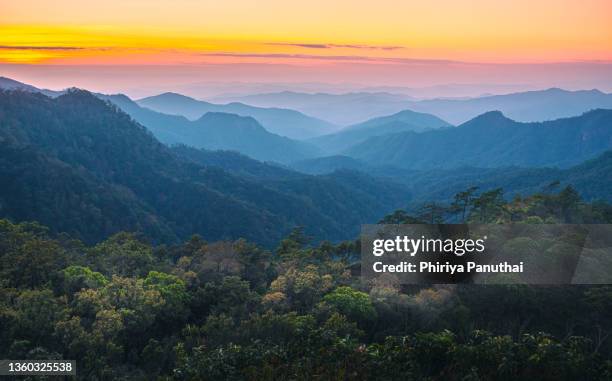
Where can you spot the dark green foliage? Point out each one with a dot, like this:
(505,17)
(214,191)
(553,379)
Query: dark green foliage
(473,205)
(354,304)
(230,310)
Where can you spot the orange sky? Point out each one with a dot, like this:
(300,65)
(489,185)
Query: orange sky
(192,31)
(64,43)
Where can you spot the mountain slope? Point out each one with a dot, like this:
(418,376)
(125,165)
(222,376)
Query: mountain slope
(284,122)
(353,195)
(217,131)
(11,84)
(492,140)
(405,120)
(592,179)
(235,163)
(82,165)
(329,164)
(85,133)
(39,187)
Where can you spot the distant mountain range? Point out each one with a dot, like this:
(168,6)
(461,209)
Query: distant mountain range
(351,108)
(81,165)
(341,109)
(493,140)
(530,106)
(217,131)
(406,142)
(284,122)
(400,122)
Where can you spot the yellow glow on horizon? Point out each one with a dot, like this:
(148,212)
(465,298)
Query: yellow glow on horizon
(185,31)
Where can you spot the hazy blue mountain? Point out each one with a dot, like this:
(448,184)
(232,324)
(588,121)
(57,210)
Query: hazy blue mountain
(341,109)
(11,84)
(217,131)
(289,123)
(530,106)
(351,108)
(405,120)
(492,140)
(452,90)
(82,165)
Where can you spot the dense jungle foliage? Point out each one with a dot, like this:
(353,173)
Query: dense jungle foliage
(126,309)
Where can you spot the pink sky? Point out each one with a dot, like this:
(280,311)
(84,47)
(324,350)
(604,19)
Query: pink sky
(144,46)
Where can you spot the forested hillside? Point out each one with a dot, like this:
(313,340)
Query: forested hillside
(113,175)
(591,178)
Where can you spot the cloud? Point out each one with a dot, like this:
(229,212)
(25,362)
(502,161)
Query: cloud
(330,58)
(379,47)
(329,46)
(309,46)
(26,47)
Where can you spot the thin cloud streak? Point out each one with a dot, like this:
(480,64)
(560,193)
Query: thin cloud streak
(332,58)
(26,47)
(330,46)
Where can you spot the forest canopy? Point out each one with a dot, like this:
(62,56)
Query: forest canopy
(198,310)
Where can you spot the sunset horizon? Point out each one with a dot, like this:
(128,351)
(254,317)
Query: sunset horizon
(114,46)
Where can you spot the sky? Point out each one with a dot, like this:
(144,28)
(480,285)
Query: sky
(147,45)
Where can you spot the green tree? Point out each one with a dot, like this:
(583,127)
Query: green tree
(76,278)
(122,255)
(356,305)
(463,202)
